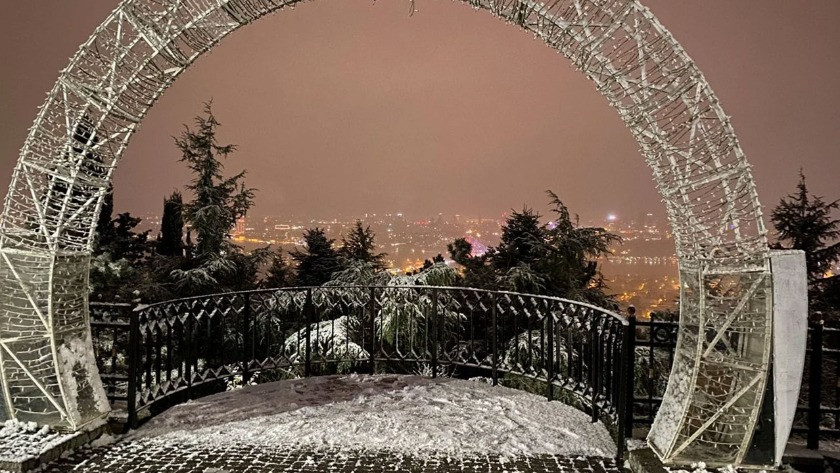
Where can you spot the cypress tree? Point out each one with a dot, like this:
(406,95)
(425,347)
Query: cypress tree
(170,242)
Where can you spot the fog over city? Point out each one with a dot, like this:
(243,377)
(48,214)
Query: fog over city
(343,110)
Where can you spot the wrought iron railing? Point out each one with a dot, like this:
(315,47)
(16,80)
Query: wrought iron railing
(652,345)
(168,352)
(110,325)
(817,415)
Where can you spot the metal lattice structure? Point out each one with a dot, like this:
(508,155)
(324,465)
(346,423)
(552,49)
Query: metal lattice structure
(100,98)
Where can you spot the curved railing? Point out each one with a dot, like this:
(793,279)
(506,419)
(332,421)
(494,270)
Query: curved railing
(565,350)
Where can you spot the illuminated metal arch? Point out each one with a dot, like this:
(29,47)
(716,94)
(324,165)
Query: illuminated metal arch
(712,402)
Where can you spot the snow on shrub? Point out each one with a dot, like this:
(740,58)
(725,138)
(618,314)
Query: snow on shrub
(329,340)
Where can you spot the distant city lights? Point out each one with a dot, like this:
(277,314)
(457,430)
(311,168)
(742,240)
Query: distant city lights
(642,271)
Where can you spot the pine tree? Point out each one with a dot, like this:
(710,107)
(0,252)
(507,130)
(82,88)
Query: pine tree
(805,222)
(214,263)
(522,241)
(477,271)
(118,269)
(219,201)
(279,273)
(318,261)
(572,261)
(429,263)
(359,246)
(557,260)
(64,196)
(128,244)
(171,240)
(104,227)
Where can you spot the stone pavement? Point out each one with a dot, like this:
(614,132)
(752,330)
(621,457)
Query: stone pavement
(138,456)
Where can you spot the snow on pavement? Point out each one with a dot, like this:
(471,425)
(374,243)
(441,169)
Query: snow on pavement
(20,441)
(409,415)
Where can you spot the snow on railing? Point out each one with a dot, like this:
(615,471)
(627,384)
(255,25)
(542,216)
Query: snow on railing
(182,349)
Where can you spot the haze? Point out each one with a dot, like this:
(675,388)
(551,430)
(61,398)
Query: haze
(343,108)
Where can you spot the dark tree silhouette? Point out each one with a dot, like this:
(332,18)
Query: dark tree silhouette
(104,227)
(219,200)
(805,222)
(317,262)
(559,259)
(279,272)
(359,246)
(171,240)
(428,263)
(127,243)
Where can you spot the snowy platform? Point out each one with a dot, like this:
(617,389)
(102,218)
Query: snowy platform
(361,423)
(25,446)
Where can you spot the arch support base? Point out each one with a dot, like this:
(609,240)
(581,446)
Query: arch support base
(48,372)
(729,399)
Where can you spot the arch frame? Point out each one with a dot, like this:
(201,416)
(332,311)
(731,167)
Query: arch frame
(47,369)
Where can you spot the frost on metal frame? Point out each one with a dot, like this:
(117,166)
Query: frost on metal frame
(81,131)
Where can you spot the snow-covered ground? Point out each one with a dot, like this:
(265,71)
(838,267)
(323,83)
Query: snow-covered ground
(404,414)
(20,441)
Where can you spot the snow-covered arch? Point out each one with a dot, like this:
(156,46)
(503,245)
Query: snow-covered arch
(712,403)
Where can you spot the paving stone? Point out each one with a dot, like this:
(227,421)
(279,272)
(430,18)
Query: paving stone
(139,456)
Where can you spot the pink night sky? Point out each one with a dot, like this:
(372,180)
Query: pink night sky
(347,107)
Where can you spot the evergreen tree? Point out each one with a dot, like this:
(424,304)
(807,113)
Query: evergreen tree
(171,240)
(460,251)
(805,222)
(359,246)
(104,227)
(214,263)
(477,272)
(522,242)
(318,261)
(91,168)
(279,273)
(189,247)
(127,243)
(429,263)
(572,263)
(219,201)
(118,268)
(557,260)
(246,269)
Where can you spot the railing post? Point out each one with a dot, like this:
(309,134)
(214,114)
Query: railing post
(815,386)
(133,359)
(629,372)
(550,357)
(495,324)
(372,308)
(435,333)
(625,418)
(188,351)
(246,323)
(307,312)
(594,344)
